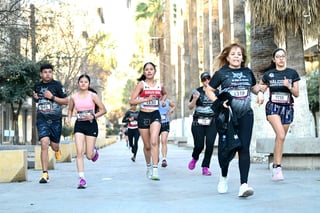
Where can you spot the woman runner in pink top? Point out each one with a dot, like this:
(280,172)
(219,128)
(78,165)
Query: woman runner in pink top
(88,107)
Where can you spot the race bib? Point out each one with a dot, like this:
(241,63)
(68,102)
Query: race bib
(152,103)
(133,123)
(280,97)
(82,115)
(163,117)
(45,107)
(204,121)
(239,93)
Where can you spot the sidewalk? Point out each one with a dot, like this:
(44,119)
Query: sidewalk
(116,184)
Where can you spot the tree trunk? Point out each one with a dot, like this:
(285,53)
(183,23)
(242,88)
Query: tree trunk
(262,46)
(295,59)
(169,69)
(187,67)
(226,24)
(216,43)
(194,81)
(206,37)
(239,22)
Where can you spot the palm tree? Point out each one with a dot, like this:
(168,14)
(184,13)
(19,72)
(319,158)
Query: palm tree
(215,29)
(226,23)
(193,22)
(154,10)
(293,22)
(206,37)
(239,22)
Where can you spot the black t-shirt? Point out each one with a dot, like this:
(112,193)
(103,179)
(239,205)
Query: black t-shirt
(279,93)
(203,105)
(238,82)
(131,114)
(48,109)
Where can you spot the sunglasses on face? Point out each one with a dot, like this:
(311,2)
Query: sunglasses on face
(205,79)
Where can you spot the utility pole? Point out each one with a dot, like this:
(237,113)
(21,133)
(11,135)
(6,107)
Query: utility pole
(33,58)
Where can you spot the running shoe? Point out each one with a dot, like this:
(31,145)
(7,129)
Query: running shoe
(96,155)
(206,171)
(133,159)
(192,164)
(164,163)
(149,172)
(155,175)
(57,154)
(82,184)
(44,178)
(245,190)
(223,185)
(277,174)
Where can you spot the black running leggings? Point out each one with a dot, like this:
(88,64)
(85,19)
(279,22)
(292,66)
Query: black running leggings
(203,136)
(244,134)
(133,137)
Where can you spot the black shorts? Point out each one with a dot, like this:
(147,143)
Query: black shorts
(165,127)
(88,128)
(49,128)
(147,118)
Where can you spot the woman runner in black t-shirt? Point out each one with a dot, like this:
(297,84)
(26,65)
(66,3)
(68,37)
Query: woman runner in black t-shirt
(238,81)
(283,85)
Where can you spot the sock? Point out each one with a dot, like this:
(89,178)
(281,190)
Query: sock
(44,171)
(81,175)
(276,165)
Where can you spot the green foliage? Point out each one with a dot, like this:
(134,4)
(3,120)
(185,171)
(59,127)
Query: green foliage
(17,77)
(154,11)
(313,91)
(66,131)
(126,92)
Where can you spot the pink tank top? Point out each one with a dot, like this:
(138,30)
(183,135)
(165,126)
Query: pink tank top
(84,104)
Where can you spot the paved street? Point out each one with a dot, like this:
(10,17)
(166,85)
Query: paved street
(116,184)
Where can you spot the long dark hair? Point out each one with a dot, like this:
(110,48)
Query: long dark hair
(96,108)
(272,63)
(143,77)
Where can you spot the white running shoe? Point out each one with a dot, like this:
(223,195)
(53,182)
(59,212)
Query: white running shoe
(155,175)
(277,174)
(223,185)
(245,190)
(149,172)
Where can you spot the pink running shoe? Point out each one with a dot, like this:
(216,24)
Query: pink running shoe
(206,171)
(82,184)
(277,174)
(96,155)
(192,164)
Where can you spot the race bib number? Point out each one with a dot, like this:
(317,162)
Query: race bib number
(239,93)
(163,117)
(152,103)
(133,123)
(204,121)
(280,97)
(45,107)
(82,116)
